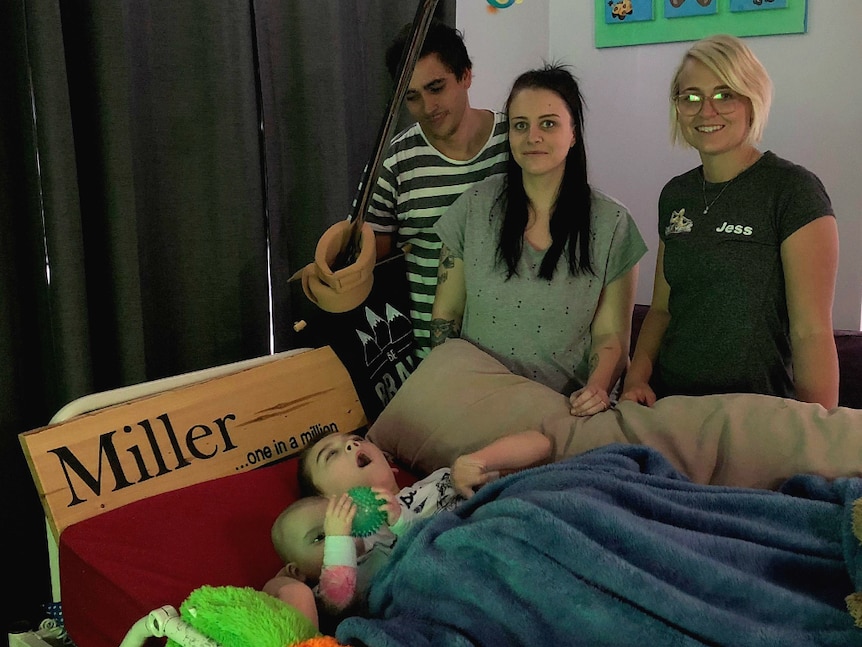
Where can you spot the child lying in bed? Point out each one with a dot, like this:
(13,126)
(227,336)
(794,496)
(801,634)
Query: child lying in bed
(617,547)
(334,463)
(312,536)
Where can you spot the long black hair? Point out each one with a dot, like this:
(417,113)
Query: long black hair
(570,215)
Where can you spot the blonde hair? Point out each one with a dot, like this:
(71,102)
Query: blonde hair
(736,65)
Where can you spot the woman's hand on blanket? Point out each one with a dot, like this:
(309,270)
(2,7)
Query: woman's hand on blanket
(339,515)
(391,506)
(588,401)
(469,473)
(639,392)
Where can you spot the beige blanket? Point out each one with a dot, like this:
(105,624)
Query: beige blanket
(737,439)
(460,399)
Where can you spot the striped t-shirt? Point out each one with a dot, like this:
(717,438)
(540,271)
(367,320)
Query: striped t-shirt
(417,184)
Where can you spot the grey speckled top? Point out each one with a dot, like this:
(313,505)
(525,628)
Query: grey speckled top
(537,328)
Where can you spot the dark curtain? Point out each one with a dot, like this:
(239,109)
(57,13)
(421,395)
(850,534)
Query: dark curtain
(164,167)
(331,54)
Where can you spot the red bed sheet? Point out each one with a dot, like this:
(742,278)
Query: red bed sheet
(117,567)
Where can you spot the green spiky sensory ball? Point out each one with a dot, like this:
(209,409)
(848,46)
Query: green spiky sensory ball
(368,517)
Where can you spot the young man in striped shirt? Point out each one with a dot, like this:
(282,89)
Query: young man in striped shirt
(451,146)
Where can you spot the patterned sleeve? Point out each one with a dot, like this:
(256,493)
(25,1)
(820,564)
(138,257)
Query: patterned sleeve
(382,214)
(424,499)
(337,587)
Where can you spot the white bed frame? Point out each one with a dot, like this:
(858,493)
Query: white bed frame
(96,401)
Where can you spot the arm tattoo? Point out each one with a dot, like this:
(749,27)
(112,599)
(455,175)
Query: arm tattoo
(443,329)
(594,362)
(447,262)
(447,258)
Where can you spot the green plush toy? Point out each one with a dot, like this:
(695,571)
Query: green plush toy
(244,617)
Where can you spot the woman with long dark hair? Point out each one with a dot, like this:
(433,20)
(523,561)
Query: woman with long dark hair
(538,268)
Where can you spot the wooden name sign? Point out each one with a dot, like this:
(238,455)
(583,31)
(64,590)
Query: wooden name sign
(102,460)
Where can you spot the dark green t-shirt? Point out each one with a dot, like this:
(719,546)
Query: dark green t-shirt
(729,327)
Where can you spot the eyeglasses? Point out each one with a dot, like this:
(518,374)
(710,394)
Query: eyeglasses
(691,103)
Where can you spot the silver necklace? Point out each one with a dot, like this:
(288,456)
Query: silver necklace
(707,207)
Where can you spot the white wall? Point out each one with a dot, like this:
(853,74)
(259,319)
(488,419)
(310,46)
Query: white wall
(816,117)
(502,44)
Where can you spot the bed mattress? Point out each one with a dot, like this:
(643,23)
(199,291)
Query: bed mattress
(117,567)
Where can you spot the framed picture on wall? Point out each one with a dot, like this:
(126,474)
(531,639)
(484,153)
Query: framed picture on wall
(682,8)
(757,5)
(619,11)
(622,23)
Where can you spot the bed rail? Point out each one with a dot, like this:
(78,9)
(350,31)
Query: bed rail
(165,622)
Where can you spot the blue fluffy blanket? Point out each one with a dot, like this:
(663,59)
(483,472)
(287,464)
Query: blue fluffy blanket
(615,547)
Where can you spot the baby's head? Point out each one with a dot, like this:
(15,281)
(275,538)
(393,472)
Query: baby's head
(297,536)
(336,462)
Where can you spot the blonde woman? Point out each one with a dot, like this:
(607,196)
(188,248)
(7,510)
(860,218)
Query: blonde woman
(745,274)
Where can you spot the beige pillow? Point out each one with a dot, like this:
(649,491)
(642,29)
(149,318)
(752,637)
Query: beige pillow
(457,400)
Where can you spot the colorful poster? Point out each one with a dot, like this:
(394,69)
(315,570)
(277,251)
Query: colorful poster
(757,5)
(673,21)
(619,11)
(684,8)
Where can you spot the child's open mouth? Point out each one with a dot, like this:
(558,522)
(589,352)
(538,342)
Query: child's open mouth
(362,459)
